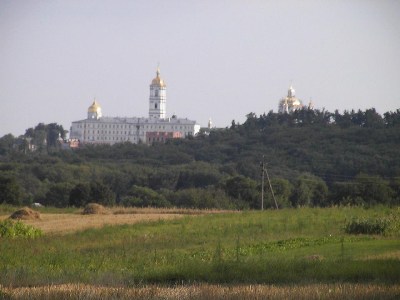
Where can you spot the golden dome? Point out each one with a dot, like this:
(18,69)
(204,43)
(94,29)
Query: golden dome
(158,81)
(296,102)
(94,107)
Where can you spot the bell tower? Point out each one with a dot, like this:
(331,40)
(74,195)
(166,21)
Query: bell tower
(158,97)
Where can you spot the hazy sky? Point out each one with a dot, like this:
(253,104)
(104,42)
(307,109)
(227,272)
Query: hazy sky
(220,59)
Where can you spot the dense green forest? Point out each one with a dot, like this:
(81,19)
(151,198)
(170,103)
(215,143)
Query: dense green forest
(313,158)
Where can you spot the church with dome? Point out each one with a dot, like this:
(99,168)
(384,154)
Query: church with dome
(97,129)
(290,103)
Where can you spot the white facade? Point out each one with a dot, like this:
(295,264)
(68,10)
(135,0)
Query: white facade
(108,130)
(97,129)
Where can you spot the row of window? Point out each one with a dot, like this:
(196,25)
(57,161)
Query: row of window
(119,138)
(112,132)
(117,132)
(106,126)
(134,126)
(105,138)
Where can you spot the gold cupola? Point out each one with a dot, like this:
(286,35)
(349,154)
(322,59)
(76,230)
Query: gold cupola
(94,107)
(94,110)
(158,81)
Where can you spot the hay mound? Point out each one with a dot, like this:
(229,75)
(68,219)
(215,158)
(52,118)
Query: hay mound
(25,213)
(315,257)
(94,209)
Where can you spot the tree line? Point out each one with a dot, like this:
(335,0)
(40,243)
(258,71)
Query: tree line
(314,158)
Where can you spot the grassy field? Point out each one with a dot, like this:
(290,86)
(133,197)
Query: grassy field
(286,249)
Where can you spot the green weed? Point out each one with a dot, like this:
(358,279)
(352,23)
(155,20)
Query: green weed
(367,226)
(12,229)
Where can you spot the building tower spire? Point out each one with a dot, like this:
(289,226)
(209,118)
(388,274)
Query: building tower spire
(158,97)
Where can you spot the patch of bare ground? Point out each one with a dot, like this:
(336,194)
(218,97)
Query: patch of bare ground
(206,291)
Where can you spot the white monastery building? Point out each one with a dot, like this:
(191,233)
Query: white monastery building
(97,129)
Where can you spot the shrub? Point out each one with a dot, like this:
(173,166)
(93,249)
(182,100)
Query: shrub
(11,229)
(367,226)
(144,197)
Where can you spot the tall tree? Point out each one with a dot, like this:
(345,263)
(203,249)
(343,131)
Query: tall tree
(10,192)
(6,144)
(79,195)
(101,193)
(310,190)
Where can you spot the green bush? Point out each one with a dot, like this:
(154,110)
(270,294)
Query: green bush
(11,229)
(367,226)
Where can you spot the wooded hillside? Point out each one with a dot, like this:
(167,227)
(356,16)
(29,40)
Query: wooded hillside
(313,157)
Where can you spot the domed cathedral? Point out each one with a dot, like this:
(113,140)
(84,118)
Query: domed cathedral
(97,129)
(290,103)
(158,97)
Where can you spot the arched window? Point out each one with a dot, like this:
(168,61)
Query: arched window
(156,93)
(155,106)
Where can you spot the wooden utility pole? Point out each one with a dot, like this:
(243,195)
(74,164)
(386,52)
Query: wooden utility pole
(264,171)
(270,186)
(262,183)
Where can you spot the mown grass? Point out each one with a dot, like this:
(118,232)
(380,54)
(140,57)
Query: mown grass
(302,246)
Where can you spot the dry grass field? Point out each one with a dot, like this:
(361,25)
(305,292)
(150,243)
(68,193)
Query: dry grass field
(206,291)
(67,223)
(62,223)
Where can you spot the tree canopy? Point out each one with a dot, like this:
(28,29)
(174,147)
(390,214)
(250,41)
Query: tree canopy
(314,158)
